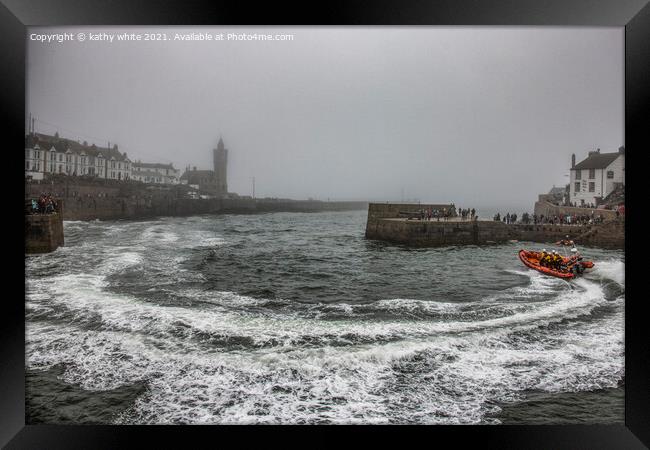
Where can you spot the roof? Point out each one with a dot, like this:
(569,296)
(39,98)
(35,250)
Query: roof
(197,173)
(147,173)
(153,165)
(597,161)
(46,142)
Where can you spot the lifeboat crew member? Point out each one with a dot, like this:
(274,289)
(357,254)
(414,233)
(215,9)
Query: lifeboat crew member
(555,260)
(577,268)
(548,260)
(542,258)
(558,261)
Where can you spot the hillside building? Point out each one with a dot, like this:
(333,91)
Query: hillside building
(596,177)
(155,173)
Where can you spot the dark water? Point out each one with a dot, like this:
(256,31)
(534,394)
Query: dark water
(296,318)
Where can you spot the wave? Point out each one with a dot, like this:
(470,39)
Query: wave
(216,356)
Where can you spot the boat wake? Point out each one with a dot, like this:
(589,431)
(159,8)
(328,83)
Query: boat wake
(208,355)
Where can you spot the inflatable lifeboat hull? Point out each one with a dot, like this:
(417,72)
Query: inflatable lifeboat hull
(531,259)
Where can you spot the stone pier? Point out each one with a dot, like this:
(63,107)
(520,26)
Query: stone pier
(43,232)
(383,225)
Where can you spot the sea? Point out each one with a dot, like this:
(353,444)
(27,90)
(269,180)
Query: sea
(296,318)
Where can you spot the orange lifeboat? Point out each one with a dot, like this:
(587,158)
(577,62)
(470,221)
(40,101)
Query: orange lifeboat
(531,259)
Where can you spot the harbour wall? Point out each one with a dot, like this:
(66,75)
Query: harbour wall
(112,208)
(113,200)
(43,232)
(610,234)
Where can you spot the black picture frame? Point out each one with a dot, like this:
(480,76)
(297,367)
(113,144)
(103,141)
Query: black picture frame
(634,15)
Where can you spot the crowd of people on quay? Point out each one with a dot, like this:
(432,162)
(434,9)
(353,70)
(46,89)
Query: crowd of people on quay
(430,214)
(445,213)
(46,204)
(566,219)
(467,214)
(509,218)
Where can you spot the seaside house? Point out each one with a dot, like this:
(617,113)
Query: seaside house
(155,173)
(596,177)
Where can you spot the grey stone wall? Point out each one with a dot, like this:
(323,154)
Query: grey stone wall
(392,210)
(610,234)
(43,233)
(110,200)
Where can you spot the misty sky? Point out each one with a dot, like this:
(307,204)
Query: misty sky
(482,116)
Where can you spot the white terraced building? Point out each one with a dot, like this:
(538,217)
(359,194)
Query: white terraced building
(155,173)
(53,154)
(597,176)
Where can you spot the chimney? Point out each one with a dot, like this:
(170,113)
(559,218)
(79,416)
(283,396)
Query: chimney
(573,160)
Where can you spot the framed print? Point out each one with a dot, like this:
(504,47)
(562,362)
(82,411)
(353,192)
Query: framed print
(404,217)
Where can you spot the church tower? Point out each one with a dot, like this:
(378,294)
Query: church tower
(220,155)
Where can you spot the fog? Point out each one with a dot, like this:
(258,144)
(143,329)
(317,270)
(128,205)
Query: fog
(484,117)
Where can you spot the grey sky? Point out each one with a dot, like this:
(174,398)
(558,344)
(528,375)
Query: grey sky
(480,116)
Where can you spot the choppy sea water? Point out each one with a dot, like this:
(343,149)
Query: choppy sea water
(297,318)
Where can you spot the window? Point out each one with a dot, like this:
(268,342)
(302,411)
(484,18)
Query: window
(26,165)
(60,157)
(610,174)
(578,175)
(592,186)
(577,187)
(592,174)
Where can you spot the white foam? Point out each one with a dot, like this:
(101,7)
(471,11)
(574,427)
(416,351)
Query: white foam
(121,261)
(612,269)
(295,368)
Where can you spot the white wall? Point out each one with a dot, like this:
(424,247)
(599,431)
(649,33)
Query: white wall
(618,167)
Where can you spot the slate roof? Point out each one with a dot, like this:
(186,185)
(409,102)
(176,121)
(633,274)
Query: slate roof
(153,165)
(197,173)
(597,161)
(46,142)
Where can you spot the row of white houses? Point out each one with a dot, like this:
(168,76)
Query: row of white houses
(55,155)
